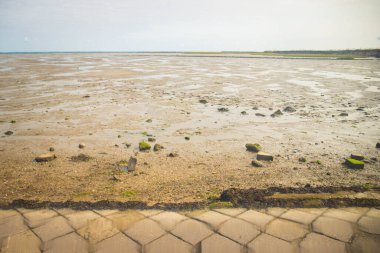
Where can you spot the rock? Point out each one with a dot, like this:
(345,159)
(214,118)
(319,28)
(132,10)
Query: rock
(187,138)
(132,164)
(149,121)
(264,156)
(51,149)
(173,154)
(45,157)
(81,145)
(260,114)
(81,158)
(357,157)
(86,96)
(157,147)
(203,101)
(255,108)
(223,109)
(127,144)
(244,113)
(276,114)
(289,109)
(144,146)
(354,164)
(151,139)
(256,163)
(253,147)
(343,114)
(302,159)
(378,145)
(8,133)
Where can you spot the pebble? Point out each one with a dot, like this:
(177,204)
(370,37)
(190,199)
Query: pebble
(51,149)
(157,147)
(8,133)
(256,163)
(45,157)
(81,145)
(264,156)
(276,114)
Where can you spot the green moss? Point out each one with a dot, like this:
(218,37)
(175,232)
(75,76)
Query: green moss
(144,146)
(255,147)
(122,163)
(354,161)
(13,121)
(220,204)
(368,186)
(318,162)
(128,194)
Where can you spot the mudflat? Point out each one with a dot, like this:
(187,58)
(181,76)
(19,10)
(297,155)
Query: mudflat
(202,110)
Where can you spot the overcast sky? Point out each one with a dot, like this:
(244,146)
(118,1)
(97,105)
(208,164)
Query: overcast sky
(188,25)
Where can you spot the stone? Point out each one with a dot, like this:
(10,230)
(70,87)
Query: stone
(168,220)
(124,219)
(51,149)
(68,243)
(231,211)
(45,157)
(343,114)
(244,113)
(276,211)
(315,243)
(253,147)
(373,212)
(286,230)
(276,114)
(268,244)
(25,242)
(370,224)
(157,147)
(151,139)
(80,219)
(302,159)
(11,225)
(260,115)
(203,101)
(8,133)
(144,146)
(299,216)
(172,154)
(220,244)
(214,219)
(168,244)
(365,244)
(191,231)
(256,163)
(56,227)
(132,163)
(357,157)
(239,230)
(289,109)
(257,218)
(145,231)
(264,156)
(342,215)
(127,144)
(80,158)
(331,227)
(354,164)
(81,145)
(118,243)
(39,217)
(150,212)
(223,109)
(98,230)
(378,145)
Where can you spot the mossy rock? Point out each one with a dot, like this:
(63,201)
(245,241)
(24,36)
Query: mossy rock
(143,146)
(256,163)
(151,139)
(354,164)
(357,157)
(157,147)
(253,147)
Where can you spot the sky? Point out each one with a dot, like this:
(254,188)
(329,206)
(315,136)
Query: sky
(188,25)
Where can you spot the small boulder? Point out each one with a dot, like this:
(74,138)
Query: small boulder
(144,146)
(256,163)
(8,133)
(357,157)
(276,114)
(253,147)
(157,147)
(289,109)
(264,156)
(81,145)
(132,164)
(45,157)
(354,164)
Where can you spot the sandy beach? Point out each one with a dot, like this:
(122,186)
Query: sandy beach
(107,101)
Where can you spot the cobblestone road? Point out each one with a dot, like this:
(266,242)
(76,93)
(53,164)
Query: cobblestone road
(202,231)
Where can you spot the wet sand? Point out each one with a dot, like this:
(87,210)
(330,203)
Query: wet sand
(45,95)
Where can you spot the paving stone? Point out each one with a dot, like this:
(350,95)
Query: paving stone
(168,220)
(80,219)
(55,227)
(365,244)
(39,217)
(342,215)
(24,210)
(276,211)
(98,229)
(68,243)
(359,210)
(299,216)
(24,242)
(316,211)
(150,212)
(7,213)
(168,244)
(239,230)
(287,230)
(231,211)
(12,225)
(220,244)
(374,213)
(105,212)
(212,218)
(338,229)
(124,219)
(145,231)
(64,211)
(369,224)
(257,218)
(192,231)
(315,243)
(268,244)
(118,243)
